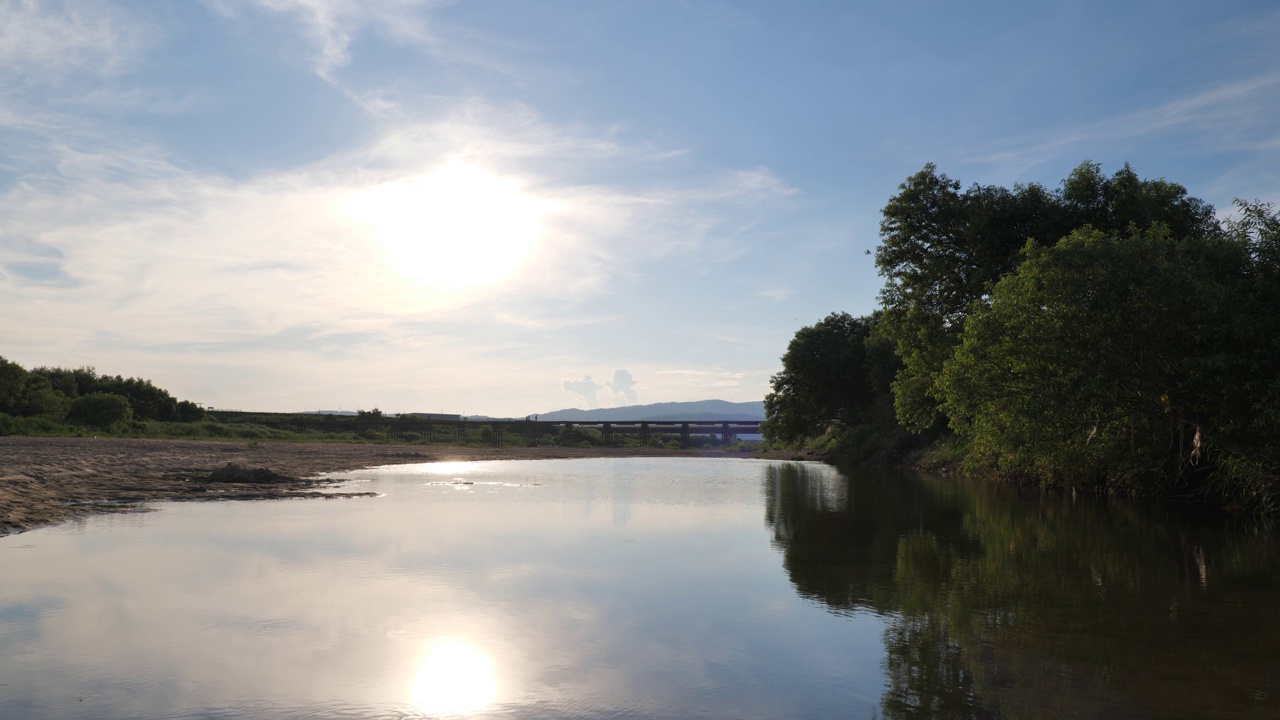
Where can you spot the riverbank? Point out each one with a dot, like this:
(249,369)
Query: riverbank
(49,480)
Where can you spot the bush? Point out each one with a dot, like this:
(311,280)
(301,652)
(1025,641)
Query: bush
(189,412)
(100,410)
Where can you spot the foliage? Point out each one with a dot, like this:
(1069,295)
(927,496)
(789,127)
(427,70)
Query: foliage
(101,410)
(51,392)
(12,383)
(573,436)
(834,385)
(943,250)
(1112,332)
(1120,359)
(25,394)
(148,401)
(189,412)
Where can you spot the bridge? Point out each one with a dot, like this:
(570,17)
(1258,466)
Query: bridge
(644,428)
(501,431)
(514,432)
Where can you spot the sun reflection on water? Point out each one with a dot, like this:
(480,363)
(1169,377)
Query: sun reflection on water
(453,679)
(457,467)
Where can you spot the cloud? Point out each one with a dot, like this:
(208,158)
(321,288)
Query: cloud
(776,294)
(57,57)
(330,25)
(623,387)
(265,290)
(586,388)
(51,40)
(1231,116)
(117,257)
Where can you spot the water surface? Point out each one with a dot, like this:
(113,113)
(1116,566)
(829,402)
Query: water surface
(641,588)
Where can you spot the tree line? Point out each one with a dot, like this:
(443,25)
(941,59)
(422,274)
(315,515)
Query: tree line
(84,397)
(1113,332)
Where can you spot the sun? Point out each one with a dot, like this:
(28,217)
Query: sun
(456,226)
(454,679)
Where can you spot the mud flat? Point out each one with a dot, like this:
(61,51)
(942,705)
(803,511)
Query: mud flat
(50,480)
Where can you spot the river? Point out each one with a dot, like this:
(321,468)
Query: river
(643,588)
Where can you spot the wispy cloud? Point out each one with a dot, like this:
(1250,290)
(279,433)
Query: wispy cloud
(60,58)
(329,26)
(1233,116)
(775,294)
(122,251)
(254,291)
(55,40)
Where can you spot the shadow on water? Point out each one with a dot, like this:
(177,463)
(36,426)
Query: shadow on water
(1004,604)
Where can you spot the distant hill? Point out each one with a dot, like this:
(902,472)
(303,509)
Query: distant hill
(701,410)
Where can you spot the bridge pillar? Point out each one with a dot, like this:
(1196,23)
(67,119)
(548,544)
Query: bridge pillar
(644,434)
(684,436)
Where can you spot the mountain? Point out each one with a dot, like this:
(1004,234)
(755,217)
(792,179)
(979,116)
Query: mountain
(701,410)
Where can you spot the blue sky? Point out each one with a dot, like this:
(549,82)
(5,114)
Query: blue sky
(475,206)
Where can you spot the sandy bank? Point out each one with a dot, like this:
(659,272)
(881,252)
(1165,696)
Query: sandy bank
(51,480)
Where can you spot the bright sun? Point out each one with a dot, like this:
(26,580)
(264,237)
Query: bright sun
(457,226)
(454,679)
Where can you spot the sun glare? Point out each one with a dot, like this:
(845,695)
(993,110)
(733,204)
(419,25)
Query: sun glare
(454,679)
(457,226)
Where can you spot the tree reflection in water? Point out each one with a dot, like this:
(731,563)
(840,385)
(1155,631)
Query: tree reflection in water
(1005,604)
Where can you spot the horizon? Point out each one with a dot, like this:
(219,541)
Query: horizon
(482,415)
(488,207)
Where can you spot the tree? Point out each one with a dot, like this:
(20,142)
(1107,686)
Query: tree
(39,398)
(943,250)
(13,380)
(832,374)
(69,382)
(1109,358)
(190,412)
(100,410)
(148,401)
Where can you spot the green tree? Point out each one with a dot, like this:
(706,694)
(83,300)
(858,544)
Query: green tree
(942,250)
(190,412)
(1255,324)
(148,401)
(71,382)
(835,374)
(13,379)
(39,398)
(100,410)
(1109,358)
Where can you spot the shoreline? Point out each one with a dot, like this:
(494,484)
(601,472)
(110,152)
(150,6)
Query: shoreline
(50,480)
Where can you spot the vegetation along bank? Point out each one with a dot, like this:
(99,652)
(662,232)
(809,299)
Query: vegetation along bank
(1112,334)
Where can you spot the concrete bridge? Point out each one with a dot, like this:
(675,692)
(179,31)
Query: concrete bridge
(644,428)
(513,432)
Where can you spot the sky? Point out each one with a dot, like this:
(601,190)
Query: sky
(504,208)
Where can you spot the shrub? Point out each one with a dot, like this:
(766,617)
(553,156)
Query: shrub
(100,410)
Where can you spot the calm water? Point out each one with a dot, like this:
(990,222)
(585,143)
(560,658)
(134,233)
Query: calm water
(642,588)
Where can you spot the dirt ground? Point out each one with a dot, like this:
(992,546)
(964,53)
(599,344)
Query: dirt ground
(50,480)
